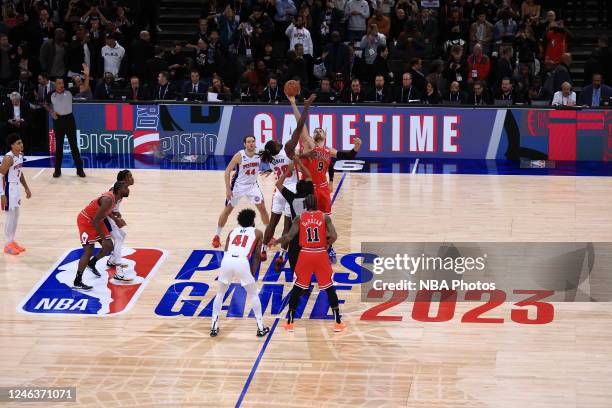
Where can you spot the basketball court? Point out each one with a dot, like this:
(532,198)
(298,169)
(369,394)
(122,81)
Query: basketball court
(156,350)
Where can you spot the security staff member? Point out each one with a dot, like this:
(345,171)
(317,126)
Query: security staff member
(64,125)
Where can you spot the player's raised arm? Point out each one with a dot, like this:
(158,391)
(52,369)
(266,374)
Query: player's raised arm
(228,173)
(303,169)
(106,204)
(305,137)
(332,235)
(295,228)
(347,154)
(256,252)
(295,137)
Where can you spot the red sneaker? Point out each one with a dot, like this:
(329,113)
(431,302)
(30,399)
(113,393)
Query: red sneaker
(289,327)
(10,249)
(338,327)
(18,247)
(279,263)
(216,243)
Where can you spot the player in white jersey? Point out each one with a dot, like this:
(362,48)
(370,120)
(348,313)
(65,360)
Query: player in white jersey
(275,155)
(10,194)
(244,241)
(243,184)
(116,225)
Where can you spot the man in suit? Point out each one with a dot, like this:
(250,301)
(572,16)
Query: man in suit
(353,94)
(455,96)
(194,86)
(418,78)
(106,89)
(134,91)
(272,93)
(164,90)
(379,93)
(17,116)
(45,88)
(407,92)
(592,95)
(23,86)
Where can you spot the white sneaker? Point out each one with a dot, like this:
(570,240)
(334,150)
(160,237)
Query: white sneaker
(120,274)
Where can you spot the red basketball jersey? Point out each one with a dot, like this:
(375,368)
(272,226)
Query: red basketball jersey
(318,164)
(91,210)
(313,234)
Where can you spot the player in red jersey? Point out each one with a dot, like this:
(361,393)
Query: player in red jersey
(92,229)
(317,232)
(316,157)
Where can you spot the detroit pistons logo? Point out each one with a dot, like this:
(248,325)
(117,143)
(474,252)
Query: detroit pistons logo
(54,293)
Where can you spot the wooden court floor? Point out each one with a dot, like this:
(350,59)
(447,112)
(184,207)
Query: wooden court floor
(141,359)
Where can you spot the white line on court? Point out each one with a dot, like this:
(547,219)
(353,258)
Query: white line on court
(38,174)
(416,165)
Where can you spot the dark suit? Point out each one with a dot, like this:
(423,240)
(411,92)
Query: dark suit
(105,91)
(586,96)
(138,94)
(270,95)
(418,81)
(404,95)
(382,95)
(44,96)
(188,87)
(166,92)
(349,97)
(25,89)
(455,98)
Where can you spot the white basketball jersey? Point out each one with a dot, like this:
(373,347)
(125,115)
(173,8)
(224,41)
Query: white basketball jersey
(14,172)
(247,170)
(279,165)
(242,241)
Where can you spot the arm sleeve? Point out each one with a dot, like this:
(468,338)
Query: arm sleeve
(288,194)
(345,155)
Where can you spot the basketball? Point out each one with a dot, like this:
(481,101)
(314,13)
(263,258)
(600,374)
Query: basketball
(292,88)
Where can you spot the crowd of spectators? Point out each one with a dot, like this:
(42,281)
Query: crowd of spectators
(350,51)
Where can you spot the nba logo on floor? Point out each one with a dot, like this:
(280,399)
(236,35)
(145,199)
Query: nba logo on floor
(54,293)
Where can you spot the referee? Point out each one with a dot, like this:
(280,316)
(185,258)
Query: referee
(64,125)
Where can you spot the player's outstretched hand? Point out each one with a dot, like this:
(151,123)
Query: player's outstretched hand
(28,193)
(291,99)
(310,100)
(356,143)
